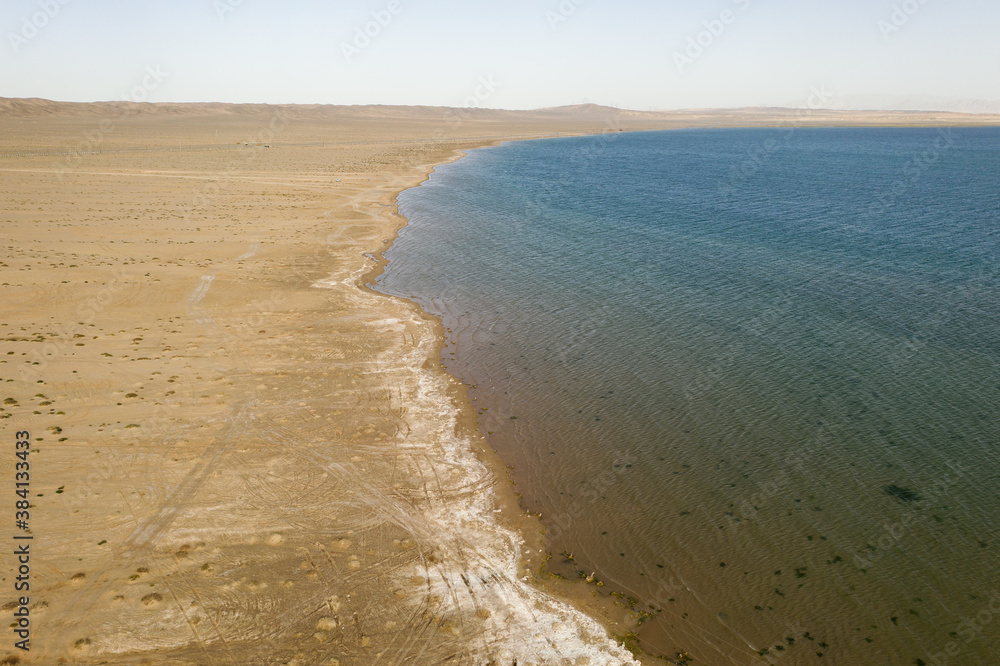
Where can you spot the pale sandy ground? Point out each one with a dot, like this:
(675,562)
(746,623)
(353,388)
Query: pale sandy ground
(241,455)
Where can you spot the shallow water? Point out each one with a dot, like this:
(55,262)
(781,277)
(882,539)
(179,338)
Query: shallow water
(749,377)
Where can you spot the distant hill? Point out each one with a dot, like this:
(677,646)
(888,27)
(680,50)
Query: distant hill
(915,103)
(582,113)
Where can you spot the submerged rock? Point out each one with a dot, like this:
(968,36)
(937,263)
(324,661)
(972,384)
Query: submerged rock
(899,492)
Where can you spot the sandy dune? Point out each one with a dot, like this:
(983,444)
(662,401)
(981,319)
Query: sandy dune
(240,454)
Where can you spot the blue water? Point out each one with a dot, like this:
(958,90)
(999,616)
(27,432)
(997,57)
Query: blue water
(750,378)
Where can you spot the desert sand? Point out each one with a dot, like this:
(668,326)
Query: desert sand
(239,453)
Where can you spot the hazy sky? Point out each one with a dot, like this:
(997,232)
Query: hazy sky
(532,53)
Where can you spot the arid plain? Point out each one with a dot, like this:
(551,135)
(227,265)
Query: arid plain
(240,454)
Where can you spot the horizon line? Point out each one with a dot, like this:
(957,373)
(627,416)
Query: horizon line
(581,105)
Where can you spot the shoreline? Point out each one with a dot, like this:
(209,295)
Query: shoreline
(511,518)
(529,527)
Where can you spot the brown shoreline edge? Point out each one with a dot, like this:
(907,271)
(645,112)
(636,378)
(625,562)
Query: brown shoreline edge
(238,455)
(529,530)
(615,618)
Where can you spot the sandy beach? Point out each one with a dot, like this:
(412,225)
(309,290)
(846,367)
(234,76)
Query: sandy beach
(240,454)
